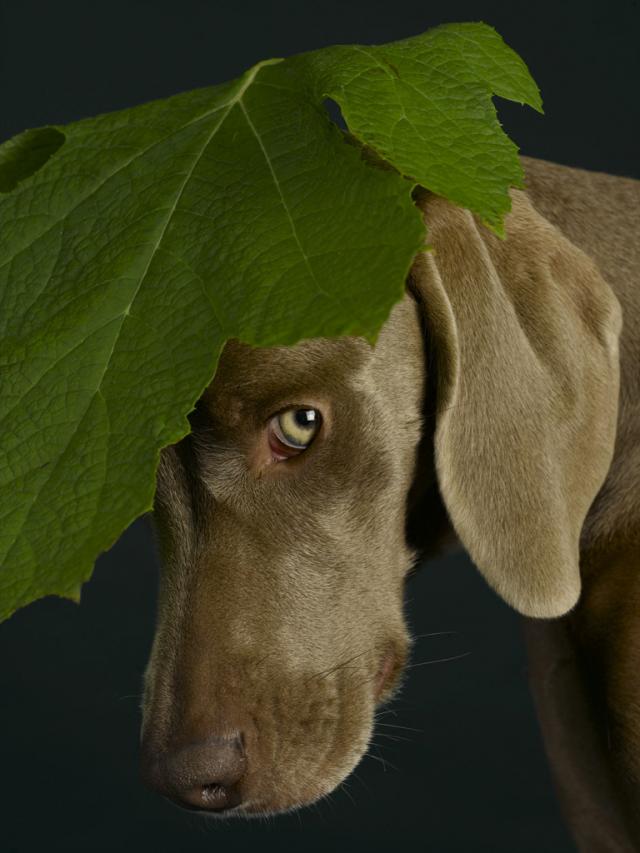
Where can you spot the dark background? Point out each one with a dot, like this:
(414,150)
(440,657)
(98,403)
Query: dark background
(472,777)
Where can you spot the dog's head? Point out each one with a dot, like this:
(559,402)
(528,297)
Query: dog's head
(283,518)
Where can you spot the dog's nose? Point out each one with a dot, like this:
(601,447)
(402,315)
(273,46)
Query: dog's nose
(205,775)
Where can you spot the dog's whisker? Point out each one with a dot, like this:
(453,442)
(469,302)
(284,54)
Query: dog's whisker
(437,660)
(404,728)
(325,673)
(394,737)
(385,762)
(385,711)
(344,787)
(362,781)
(378,758)
(434,634)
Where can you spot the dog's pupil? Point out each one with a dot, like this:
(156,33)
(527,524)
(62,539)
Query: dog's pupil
(305,417)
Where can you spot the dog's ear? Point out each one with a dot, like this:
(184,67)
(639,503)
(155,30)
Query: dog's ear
(525,337)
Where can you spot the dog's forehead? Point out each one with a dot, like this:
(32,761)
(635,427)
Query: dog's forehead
(248,376)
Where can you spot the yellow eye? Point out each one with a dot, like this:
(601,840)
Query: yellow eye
(295,429)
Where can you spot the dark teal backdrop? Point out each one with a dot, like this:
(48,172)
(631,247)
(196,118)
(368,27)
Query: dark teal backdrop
(471,775)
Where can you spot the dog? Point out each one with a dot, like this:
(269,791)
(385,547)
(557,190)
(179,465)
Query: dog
(498,411)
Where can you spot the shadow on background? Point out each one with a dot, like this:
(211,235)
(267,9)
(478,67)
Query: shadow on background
(467,774)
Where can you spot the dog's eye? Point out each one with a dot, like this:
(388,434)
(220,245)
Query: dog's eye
(293,430)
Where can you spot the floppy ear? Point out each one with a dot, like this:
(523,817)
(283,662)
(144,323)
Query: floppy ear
(525,336)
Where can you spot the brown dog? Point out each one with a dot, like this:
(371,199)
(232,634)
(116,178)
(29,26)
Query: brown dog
(499,409)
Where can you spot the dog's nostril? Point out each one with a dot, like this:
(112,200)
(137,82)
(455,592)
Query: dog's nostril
(205,775)
(215,796)
(211,797)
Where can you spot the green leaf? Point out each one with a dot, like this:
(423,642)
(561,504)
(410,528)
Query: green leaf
(134,244)
(424,104)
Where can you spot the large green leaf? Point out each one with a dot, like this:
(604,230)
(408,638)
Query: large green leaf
(425,105)
(134,244)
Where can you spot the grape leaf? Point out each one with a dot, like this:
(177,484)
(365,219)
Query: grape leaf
(135,243)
